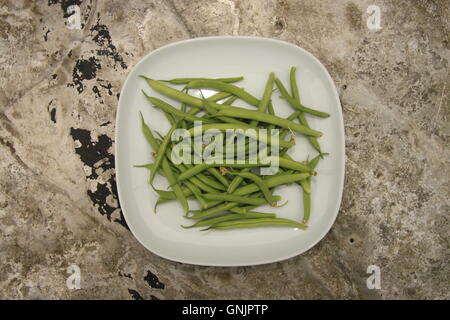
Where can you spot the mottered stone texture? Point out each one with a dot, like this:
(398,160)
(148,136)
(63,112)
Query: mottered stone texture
(59,89)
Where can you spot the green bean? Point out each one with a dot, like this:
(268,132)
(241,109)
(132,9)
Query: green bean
(258,222)
(219,96)
(301,116)
(296,104)
(294,165)
(196,192)
(271,111)
(168,108)
(211,110)
(313,163)
(242,210)
(307,183)
(306,206)
(173,93)
(219,85)
(184,110)
(214,172)
(176,188)
(272,181)
(293,82)
(148,134)
(187,80)
(234,184)
(228,217)
(240,199)
(260,183)
(236,112)
(224,206)
(230,100)
(263,104)
(233,126)
(161,152)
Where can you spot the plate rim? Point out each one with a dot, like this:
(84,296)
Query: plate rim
(343,157)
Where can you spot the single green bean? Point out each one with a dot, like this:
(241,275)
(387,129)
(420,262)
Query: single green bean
(219,85)
(173,93)
(301,116)
(306,206)
(222,207)
(168,108)
(211,110)
(258,222)
(184,109)
(219,96)
(240,199)
(229,217)
(148,134)
(187,80)
(230,100)
(306,195)
(296,104)
(161,152)
(175,187)
(236,112)
(264,102)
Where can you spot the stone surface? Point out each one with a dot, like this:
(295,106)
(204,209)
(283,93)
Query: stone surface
(58,97)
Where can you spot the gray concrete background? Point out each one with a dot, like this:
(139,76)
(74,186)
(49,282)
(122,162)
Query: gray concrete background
(58,98)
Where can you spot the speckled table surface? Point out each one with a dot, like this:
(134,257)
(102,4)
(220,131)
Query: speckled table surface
(59,89)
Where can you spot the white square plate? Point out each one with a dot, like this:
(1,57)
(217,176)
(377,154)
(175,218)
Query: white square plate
(214,57)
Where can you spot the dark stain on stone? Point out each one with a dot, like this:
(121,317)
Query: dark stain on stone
(85,69)
(354,16)
(52,111)
(95,155)
(125,275)
(279,23)
(106,85)
(135,295)
(46,35)
(153,281)
(97,93)
(53,115)
(101,36)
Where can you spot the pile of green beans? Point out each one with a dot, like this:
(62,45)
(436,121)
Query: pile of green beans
(228,193)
